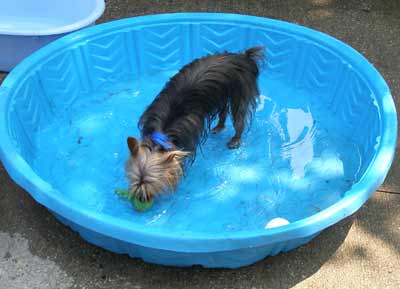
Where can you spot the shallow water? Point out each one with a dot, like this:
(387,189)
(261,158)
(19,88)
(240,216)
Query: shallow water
(293,161)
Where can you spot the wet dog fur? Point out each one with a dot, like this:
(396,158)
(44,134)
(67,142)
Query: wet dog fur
(201,91)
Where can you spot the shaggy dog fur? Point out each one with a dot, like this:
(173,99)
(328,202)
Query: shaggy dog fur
(183,111)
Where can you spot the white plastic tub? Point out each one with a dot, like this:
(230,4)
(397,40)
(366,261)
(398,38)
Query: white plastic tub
(27,25)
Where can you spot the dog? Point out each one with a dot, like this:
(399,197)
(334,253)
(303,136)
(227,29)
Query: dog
(180,117)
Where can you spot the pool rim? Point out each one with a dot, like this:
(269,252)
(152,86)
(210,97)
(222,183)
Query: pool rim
(89,19)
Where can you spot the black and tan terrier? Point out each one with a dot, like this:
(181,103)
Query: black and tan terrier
(180,117)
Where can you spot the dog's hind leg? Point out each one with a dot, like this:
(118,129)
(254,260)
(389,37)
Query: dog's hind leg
(240,108)
(239,119)
(221,122)
(235,141)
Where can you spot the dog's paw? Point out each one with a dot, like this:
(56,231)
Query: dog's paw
(217,129)
(234,143)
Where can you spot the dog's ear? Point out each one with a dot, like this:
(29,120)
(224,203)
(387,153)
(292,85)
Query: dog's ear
(133,145)
(176,155)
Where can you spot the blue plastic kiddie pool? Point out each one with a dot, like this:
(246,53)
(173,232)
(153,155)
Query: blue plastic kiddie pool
(320,143)
(27,25)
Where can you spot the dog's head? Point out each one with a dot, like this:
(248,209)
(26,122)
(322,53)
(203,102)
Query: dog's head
(151,171)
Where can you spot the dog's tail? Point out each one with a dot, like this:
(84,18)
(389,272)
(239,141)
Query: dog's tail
(256,53)
(256,56)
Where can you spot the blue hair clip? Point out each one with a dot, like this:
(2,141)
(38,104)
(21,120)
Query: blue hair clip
(162,140)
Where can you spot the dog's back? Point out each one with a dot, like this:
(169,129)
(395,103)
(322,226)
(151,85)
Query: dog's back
(201,90)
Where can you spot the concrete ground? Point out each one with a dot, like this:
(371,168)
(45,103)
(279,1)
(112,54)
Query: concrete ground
(362,251)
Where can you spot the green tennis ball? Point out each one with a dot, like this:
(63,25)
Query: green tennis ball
(122,193)
(142,206)
(139,206)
